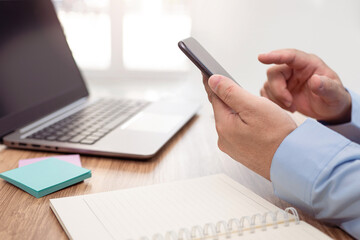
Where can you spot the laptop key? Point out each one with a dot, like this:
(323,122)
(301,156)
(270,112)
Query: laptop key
(85,141)
(64,138)
(51,138)
(97,134)
(77,138)
(92,138)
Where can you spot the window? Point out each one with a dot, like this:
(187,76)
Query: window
(87,27)
(126,38)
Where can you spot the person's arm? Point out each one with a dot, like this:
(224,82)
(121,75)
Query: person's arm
(311,166)
(350,130)
(318,170)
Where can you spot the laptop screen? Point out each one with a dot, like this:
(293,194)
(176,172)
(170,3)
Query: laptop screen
(38,74)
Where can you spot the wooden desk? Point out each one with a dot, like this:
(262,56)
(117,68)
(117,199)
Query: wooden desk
(191,153)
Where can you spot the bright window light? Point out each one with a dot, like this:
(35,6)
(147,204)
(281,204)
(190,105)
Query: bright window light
(150,41)
(87,27)
(114,37)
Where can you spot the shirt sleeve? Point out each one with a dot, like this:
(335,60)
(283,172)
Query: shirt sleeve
(318,170)
(350,130)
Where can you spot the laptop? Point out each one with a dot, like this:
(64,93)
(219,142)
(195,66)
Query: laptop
(45,104)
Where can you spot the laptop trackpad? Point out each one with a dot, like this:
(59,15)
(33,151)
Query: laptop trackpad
(151,122)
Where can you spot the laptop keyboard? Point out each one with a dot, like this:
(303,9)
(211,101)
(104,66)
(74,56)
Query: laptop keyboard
(91,123)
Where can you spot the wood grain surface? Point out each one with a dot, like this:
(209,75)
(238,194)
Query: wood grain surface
(191,153)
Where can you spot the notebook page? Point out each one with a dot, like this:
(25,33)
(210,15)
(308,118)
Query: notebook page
(133,213)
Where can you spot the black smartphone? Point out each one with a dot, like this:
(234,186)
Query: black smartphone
(202,58)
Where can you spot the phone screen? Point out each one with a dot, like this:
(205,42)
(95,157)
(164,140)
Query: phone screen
(202,58)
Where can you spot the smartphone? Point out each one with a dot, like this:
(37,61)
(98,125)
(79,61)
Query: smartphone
(202,58)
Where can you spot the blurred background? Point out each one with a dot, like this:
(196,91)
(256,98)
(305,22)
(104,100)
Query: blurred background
(135,41)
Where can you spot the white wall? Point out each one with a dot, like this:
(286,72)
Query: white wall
(236,31)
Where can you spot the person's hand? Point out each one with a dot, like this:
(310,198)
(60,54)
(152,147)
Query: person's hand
(303,82)
(250,128)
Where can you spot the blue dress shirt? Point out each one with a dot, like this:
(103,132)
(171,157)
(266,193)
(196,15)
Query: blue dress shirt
(317,168)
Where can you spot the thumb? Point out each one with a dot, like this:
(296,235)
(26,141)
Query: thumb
(324,87)
(229,92)
(221,110)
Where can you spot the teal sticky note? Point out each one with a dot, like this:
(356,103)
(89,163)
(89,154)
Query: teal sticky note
(45,177)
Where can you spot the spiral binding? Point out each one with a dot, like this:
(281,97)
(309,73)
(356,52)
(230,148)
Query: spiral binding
(232,226)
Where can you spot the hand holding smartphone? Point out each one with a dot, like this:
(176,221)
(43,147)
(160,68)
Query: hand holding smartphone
(202,58)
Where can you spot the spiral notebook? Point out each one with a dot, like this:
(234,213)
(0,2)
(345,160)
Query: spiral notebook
(212,207)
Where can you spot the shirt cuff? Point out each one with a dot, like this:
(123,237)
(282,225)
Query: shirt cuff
(299,160)
(350,130)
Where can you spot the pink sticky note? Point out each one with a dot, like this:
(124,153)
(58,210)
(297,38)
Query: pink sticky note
(74,159)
